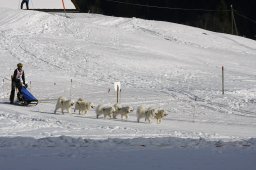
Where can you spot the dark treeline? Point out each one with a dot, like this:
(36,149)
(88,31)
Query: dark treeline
(219,21)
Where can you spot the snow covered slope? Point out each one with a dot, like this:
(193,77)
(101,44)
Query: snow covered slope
(159,64)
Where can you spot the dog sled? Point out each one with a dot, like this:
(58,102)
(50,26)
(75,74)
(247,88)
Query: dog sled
(25,98)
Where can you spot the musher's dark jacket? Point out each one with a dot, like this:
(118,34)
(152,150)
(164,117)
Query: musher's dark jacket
(14,78)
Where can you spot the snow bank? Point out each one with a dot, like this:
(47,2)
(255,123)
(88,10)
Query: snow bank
(135,143)
(161,153)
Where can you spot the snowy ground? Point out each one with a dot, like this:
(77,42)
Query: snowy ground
(159,64)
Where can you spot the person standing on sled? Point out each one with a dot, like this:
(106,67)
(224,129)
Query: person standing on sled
(17,79)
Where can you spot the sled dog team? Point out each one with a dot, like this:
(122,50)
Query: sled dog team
(84,106)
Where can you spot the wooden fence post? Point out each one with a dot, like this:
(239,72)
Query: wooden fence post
(30,85)
(117,93)
(223,80)
(3,88)
(71,81)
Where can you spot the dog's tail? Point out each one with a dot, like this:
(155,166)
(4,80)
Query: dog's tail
(99,109)
(140,110)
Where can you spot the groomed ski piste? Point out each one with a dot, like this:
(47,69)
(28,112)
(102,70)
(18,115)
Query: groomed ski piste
(159,64)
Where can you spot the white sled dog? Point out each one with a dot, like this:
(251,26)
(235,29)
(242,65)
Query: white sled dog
(123,111)
(160,115)
(63,104)
(83,106)
(146,113)
(104,110)
(76,104)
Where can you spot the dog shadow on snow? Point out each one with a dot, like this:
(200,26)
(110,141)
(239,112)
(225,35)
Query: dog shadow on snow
(101,118)
(85,117)
(51,113)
